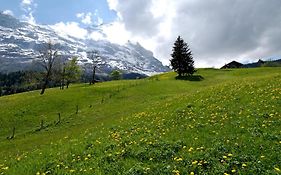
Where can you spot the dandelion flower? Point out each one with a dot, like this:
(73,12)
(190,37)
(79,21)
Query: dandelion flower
(277,169)
(194,162)
(177,172)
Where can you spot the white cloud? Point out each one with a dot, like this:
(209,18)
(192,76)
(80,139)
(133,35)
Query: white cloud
(96,36)
(152,30)
(112,4)
(216,31)
(8,12)
(80,15)
(27,2)
(29,18)
(90,18)
(71,29)
(85,18)
(99,21)
(116,33)
(28,6)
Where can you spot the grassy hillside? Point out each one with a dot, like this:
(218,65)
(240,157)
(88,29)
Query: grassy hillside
(227,123)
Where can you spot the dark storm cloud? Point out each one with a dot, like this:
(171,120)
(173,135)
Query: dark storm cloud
(231,28)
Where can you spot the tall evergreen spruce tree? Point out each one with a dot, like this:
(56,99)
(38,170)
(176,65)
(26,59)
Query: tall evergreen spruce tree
(182,60)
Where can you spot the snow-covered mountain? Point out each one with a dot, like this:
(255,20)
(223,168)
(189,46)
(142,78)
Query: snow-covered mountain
(20,43)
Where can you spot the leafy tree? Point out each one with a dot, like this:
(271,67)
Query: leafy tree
(115,75)
(72,71)
(58,73)
(182,60)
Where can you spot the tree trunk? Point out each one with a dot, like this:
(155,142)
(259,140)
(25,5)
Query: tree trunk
(45,82)
(63,74)
(67,84)
(44,87)
(180,74)
(94,74)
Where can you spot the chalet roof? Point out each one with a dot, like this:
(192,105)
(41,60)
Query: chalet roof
(232,64)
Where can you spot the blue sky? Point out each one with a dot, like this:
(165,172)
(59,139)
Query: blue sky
(54,11)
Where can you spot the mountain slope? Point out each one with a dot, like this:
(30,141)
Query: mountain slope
(20,43)
(227,123)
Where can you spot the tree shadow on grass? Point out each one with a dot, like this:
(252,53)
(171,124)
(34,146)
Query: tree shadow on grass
(190,78)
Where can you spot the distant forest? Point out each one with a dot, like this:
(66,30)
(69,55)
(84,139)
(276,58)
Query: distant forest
(23,81)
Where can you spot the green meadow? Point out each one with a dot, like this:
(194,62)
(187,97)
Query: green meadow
(228,122)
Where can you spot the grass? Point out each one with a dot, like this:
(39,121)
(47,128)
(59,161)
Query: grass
(229,122)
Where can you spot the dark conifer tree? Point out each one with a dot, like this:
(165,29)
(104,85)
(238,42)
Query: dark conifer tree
(182,60)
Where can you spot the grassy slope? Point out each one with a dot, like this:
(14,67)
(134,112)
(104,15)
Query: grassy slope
(227,123)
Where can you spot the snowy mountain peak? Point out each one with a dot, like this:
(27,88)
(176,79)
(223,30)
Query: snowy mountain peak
(9,21)
(20,43)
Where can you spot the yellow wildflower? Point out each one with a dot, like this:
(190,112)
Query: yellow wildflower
(5,168)
(277,169)
(177,172)
(194,162)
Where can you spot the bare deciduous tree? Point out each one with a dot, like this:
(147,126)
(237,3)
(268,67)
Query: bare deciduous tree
(95,57)
(47,58)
